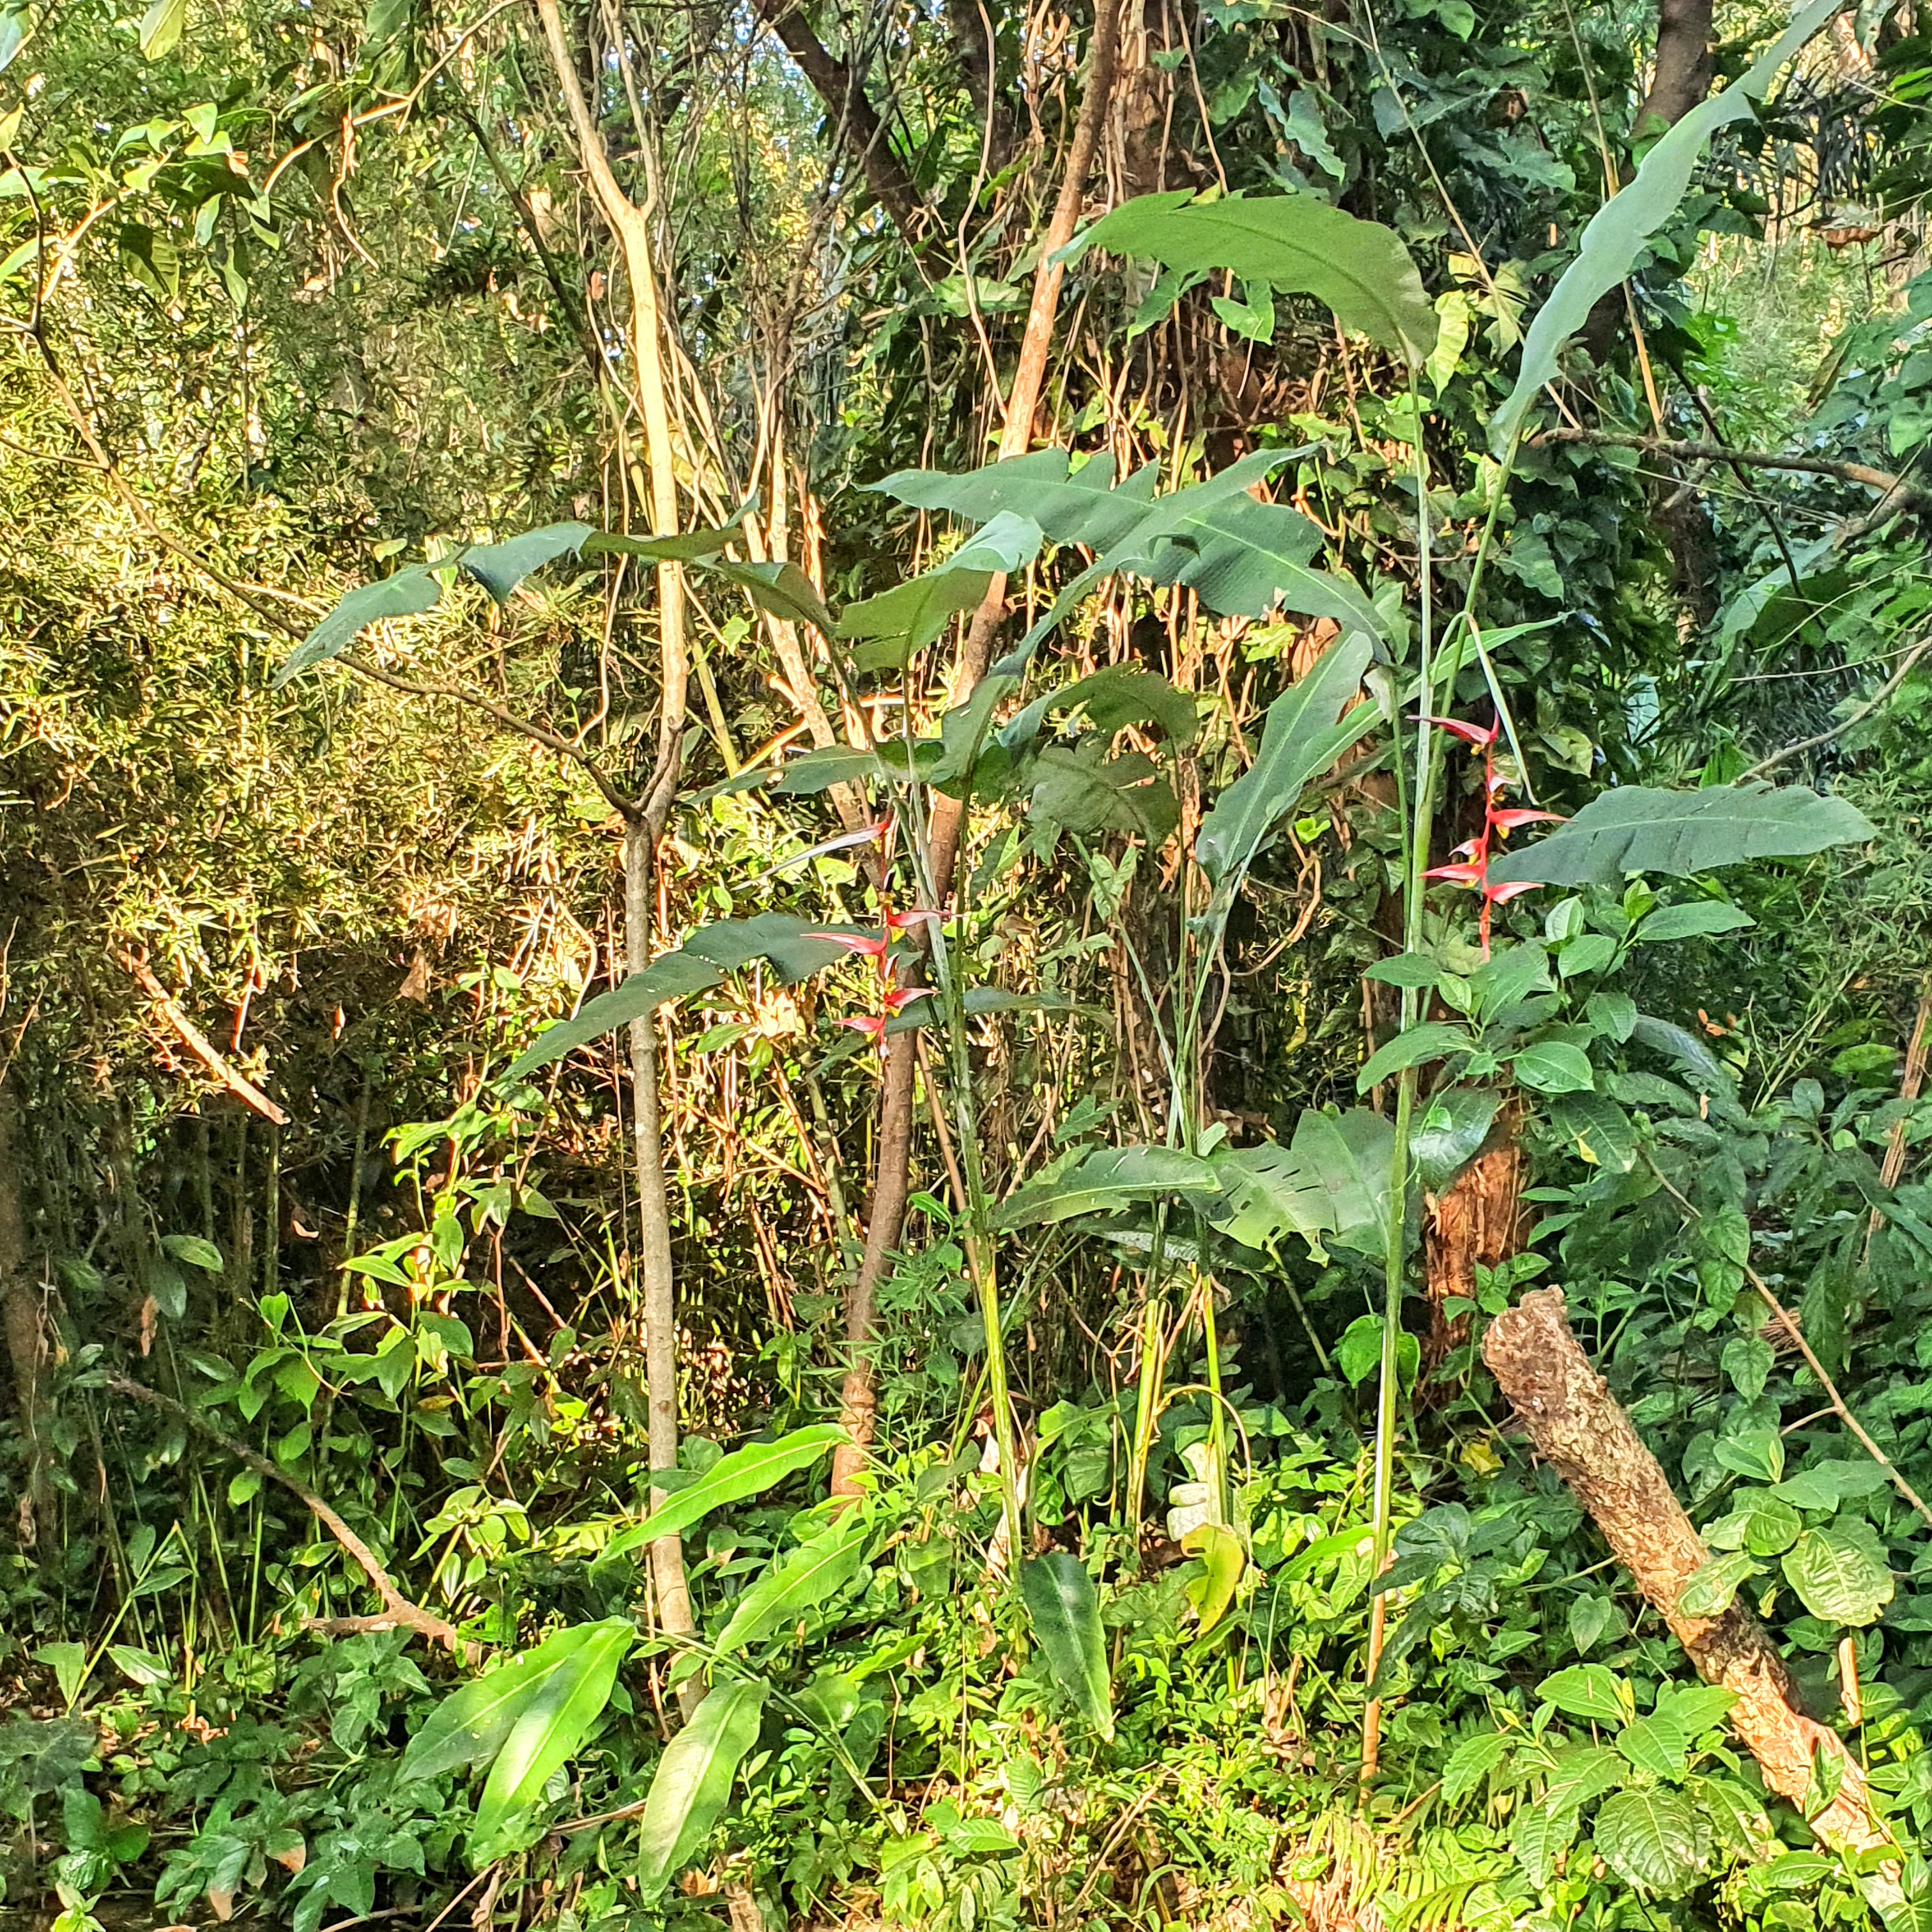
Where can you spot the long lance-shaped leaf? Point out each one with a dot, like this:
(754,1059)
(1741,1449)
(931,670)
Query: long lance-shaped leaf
(1110,1178)
(1300,739)
(1619,229)
(804,1580)
(745,1472)
(692,1782)
(545,1736)
(1296,243)
(468,1726)
(1677,833)
(1065,1613)
(796,947)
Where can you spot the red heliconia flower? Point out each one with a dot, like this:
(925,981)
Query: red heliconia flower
(871,1023)
(1467,849)
(1470,734)
(902,997)
(1513,888)
(897,922)
(1467,873)
(879,948)
(1510,820)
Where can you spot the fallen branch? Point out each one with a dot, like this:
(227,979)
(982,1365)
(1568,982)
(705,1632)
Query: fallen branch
(398,1611)
(198,1043)
(1862,474)
(1578,1427)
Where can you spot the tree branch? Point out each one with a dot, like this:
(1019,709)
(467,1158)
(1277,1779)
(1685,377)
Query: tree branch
(397,1608)
(1860,473)
(198,1043)
(1683,68)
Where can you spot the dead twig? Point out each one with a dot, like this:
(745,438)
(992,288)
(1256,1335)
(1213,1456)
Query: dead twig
(198,1043)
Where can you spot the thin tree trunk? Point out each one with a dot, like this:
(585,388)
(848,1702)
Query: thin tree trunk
(20,1315)
(892,1174)
(1579,1428)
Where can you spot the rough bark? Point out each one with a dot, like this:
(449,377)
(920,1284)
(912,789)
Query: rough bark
(885,1220)
(1684,66)
(20,1315)
(1476,1221)
(1578,1427)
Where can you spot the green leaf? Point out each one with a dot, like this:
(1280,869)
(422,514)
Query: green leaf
(1120,695)
(1553,1066)
(1080,787)
(1509,974)
(1763,1523)
(1824,1486)
(1591,1691)
(1699,919)
(1267,1193)
(1223,1560)
(467,1728)
(1065,1613)
(781,589)
(1297,244)
(1618,231)
(1543,1834)
(812,1572)
(1840,1575)
(1350,1155)
(1470,1762)
(68,1663)
(195,1251)
(1108,1179)
(793,945)
(143,1666)
(1300,739)
(1746,1359)
(892,626)
(546,1734)
(500,568)
(1433,1039)
(161,27)
(1418,969)
(1582,1773)
(1653,1838)
(1631,829)
(748,1471)
(693,1782)
(1709,1590)
(1359,1353)
(1451,1133)
(406,594)
(1597,1128)
(1658,1743)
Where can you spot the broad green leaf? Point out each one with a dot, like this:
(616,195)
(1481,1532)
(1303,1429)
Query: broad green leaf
(1553,1066)
(1591,1691)
(1078,787)
(787,1591)
(1746,1359)
(68,1663)
(1824,1486)
(892,626)
(195,1250)
(1618,231)
(1418,969)
(1300,739)
(1699,919)
(1433,1039)
(1350,1155)
(1470,1762)
(1108,1179)
(467,1728)
(693,1781)
(1065,1613)
(500,567)
(1267,1192)
(1629,829)
(781,589)
(143,1666)
(1658,1743)
(785,940)
(1450,1132)
(1710,1589)
(161,27)
(1223,1560)
(1697,1707)
(1599,1130)
(1509,974)
(1840,1575)
(1084,505)
(406,594)
(1582,1773)
(1359,1353)
(1652,1838)
(1297,244)
(1542,1835)
(748,1471)
(1761,1522)
(1120,694)
(546,1734)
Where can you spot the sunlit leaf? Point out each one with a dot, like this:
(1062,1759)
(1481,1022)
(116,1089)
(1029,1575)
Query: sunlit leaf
(748,1471)
(693,1781)
(1065,1613)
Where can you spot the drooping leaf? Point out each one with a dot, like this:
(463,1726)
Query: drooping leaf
(161,27)
(1079,787)
(467,1728)
(1618,231)
(782,939)
(890,627)
(406,594)
(1450,1132)
(500,567)
(1109,1179)
(1630,829)
(1119,695)
(811,1573)
(546,1734)
(1297,244)
(1652,1838)
(1710,1588)
(1824,1486)
(1839,1575)
(1223,1560)
(1065,1612)
(1300,739)
(1591,1691)
(745,1472)
(1433,1039)
(1349,1154)
(693,1781)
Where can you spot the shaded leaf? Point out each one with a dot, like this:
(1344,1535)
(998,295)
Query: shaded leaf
(1065,1613)
(1433,1039)
(1599,1130)
(890,627)
(1553,1066)
(1451,1133)
(1350,1156)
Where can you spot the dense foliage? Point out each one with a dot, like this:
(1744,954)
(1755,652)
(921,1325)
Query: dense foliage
(832,841)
